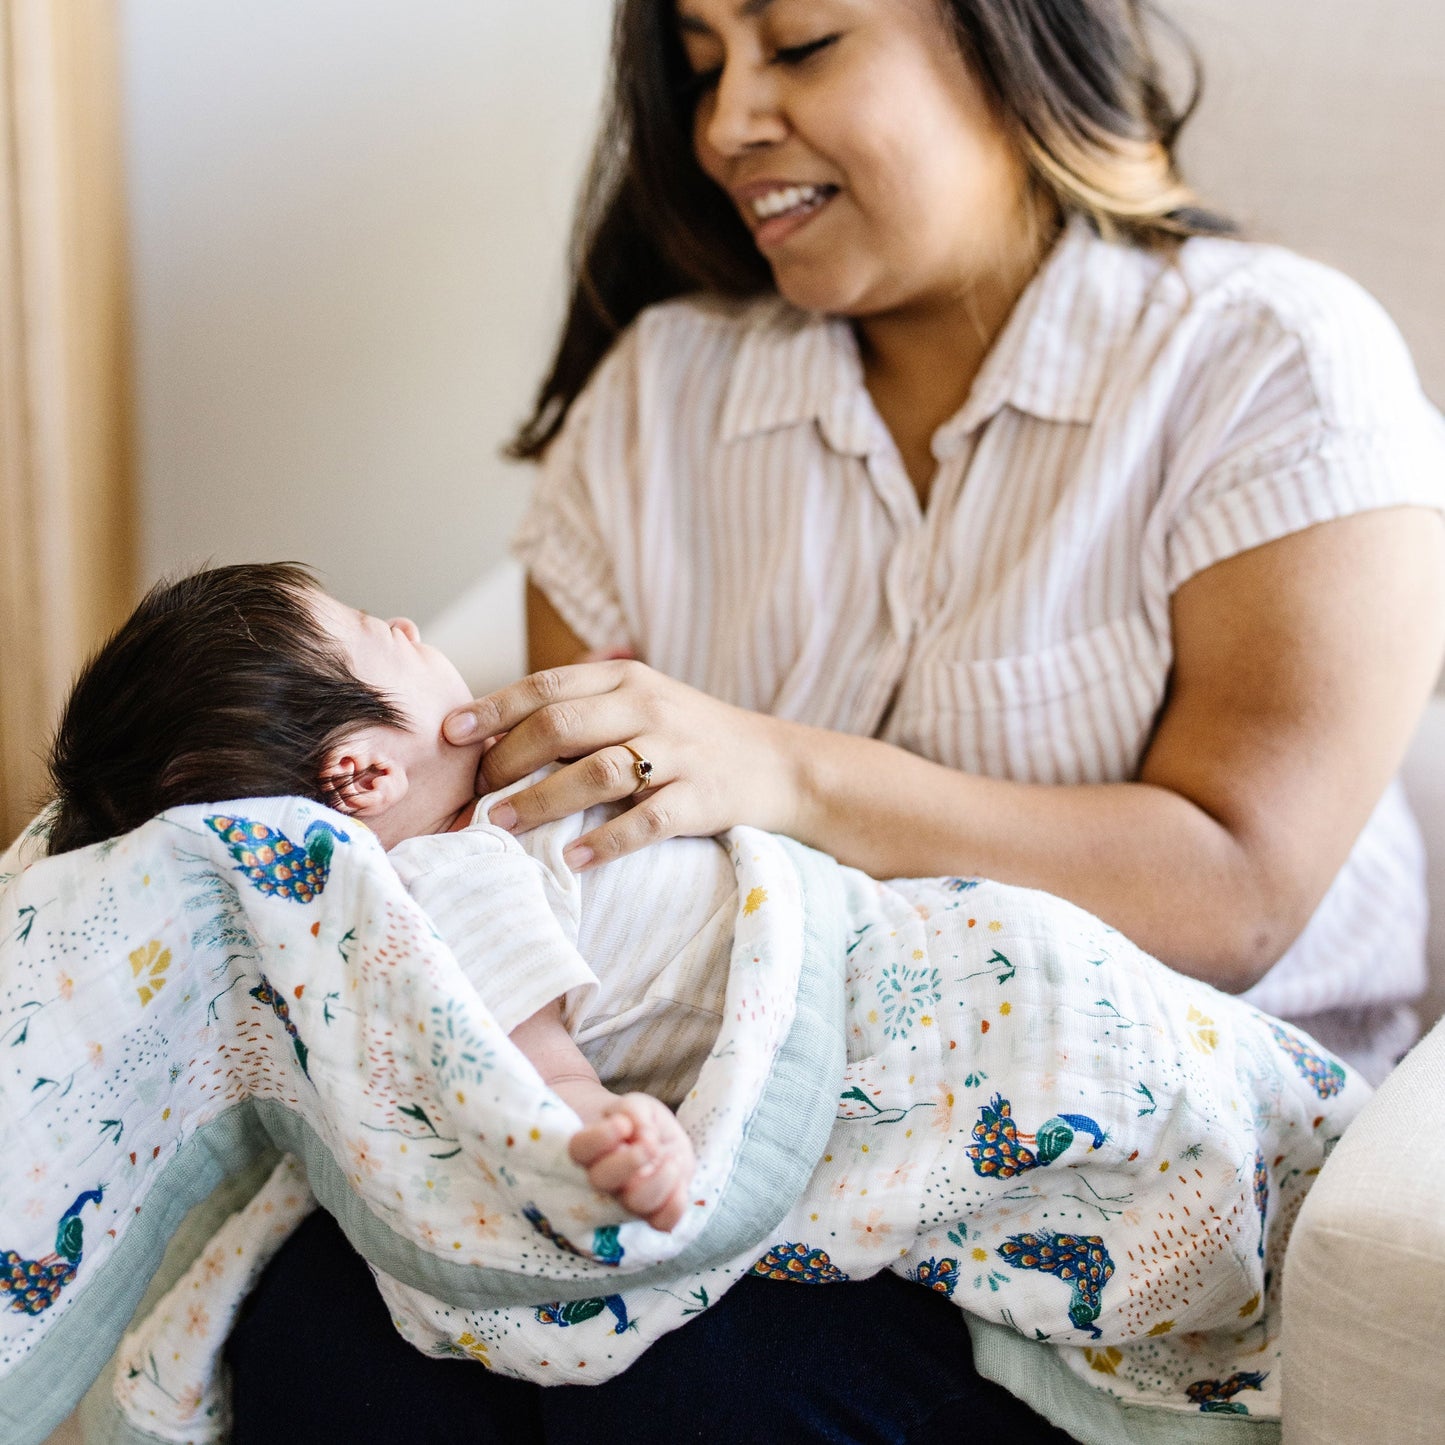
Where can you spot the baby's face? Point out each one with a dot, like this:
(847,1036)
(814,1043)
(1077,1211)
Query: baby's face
(405,780)
(391,656)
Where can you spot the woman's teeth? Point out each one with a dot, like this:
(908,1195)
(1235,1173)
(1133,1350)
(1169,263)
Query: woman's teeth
(790,198)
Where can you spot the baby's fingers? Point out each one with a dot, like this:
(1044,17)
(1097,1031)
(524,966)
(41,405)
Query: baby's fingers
(588,1145)
(620,1168)
(649,1194)
(669,1213)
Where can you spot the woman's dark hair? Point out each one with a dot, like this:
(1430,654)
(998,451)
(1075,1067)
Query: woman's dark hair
(220,685)
(1076,81)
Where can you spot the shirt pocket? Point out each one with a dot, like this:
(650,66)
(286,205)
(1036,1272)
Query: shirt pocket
(1079,711)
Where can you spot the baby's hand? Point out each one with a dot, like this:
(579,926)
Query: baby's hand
(638,1153)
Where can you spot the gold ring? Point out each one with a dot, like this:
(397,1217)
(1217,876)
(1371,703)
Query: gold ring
(641,768)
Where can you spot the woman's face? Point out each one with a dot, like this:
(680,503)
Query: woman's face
(857,146)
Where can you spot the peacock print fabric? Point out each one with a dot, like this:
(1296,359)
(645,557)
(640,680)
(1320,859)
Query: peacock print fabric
(981,1088)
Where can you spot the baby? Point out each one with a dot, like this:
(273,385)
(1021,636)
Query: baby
(250,681)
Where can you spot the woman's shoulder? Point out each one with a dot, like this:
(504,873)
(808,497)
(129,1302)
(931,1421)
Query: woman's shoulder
(1268,284)
(1259,306)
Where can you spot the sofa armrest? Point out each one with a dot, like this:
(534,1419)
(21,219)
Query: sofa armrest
(1424,779)
(1364,1275)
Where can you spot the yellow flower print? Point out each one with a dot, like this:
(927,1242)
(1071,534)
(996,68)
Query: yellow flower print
(150,964)
(754,901)
(471,1345)
(1202,1033)
(1106,1361)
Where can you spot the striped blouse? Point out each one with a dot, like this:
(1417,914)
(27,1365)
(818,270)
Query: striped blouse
(726,500)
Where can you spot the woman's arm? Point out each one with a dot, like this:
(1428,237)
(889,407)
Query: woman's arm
(1300,670)
(550,642)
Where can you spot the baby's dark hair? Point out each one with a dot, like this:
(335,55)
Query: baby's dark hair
(220,685)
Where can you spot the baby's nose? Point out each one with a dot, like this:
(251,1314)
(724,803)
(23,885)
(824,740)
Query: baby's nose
(407,627)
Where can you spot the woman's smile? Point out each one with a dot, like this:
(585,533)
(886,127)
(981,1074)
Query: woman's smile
(775,209)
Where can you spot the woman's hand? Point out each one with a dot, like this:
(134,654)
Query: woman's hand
(713,765)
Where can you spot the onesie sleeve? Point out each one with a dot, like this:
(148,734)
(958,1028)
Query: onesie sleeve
(487,900)
(577,504)
(1308,409)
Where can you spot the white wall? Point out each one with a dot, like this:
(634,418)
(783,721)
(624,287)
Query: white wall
(349,222)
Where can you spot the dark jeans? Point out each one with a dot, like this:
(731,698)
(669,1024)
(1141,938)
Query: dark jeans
(314,1359)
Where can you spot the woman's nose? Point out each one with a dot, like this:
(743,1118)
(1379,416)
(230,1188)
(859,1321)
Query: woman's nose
(407,627)
(742,111)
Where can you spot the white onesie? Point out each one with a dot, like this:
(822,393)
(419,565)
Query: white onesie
(648,1021)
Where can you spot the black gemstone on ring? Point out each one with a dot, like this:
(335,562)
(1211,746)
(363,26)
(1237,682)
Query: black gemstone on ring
(643,769)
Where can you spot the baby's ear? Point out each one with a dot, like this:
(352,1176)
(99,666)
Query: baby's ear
(362,780)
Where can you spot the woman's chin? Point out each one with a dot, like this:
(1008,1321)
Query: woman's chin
(815,289)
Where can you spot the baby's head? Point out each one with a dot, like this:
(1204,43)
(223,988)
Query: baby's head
(250,681)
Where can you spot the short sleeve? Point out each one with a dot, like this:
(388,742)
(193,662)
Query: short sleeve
(487,900)
(577,502)
(1308,409)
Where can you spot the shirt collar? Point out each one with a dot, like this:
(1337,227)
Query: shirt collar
(1051,359)
(798,366)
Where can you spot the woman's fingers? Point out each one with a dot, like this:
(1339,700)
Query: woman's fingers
(606,776)
(566,729)
(663,814)
(688,764)
(503,710)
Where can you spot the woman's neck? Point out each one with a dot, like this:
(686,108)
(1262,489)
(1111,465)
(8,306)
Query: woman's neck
(920,362)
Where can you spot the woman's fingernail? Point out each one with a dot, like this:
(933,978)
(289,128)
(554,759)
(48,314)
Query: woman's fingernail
(577,857)
(503,816)
(461,728)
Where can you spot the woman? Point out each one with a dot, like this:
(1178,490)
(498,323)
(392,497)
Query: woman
(968,507)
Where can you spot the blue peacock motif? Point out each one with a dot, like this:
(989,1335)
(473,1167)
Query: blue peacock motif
(272,863)
(267,993)
(1325,1076)
(1216,1397)
(1261,1195)
(800,1264)
(33,1285)
(939,1275)
(999,1151)
(1080,1260)
(606,1247)
(578,1311)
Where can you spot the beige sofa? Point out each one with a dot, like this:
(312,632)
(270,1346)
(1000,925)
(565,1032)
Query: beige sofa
(1364,1277)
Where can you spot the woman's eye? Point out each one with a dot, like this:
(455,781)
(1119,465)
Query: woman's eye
(794,54)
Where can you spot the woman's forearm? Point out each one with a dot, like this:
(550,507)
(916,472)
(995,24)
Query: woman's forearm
(1148,861)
